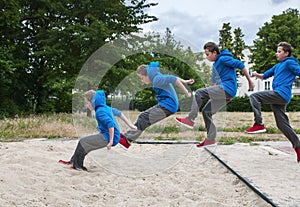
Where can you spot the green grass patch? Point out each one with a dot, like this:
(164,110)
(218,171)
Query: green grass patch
(235,129)
(254,144)
(5,134)
(273,130)
(202,128)
(163,129)
(228,141)
(171,129)
(233,140)
(161,138)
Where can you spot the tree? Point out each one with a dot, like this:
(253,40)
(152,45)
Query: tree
(238,44)
(225,38)
(283,27)
(173,57)
(46,43)
(10,60)
(235,45)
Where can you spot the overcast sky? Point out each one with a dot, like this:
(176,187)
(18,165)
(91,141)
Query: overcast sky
(199,21)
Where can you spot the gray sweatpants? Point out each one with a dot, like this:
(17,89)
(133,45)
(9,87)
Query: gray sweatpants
(217,99)
(146,119)
(86,145)
(93,142)
(279,108)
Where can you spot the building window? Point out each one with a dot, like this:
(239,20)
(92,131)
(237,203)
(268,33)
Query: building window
(297,83)
(267,85)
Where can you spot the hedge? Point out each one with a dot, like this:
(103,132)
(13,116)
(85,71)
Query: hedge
(238,104)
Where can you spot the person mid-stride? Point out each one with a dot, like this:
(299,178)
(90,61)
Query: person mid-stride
(162,85)
(284,74)
(222,91)
(108,129)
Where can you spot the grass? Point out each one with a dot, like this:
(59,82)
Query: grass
(163,129)
(231,126)
(37,126)
(240,139)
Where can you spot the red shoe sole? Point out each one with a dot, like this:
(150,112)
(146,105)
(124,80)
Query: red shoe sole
(183,124)
(64,162)
(206,144)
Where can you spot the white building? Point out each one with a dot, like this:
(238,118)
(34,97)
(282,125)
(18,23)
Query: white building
(260,85)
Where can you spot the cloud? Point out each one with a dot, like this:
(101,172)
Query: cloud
(278,1)
(197,30)
(188,28)
(199,22)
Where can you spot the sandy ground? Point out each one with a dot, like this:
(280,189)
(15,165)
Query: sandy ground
(145,175)
(270,166)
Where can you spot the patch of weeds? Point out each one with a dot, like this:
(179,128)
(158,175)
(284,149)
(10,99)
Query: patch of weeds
(199,139)
(228,129)
(171,129)
(202,128)
(6,134)
(245,139)
(235,129)
(174,138)
(270,153)
(230,141)
(163,129)
(7,125)
(243,128)
(273,130)
(53,136)
(33,135)
(254,144)
(226,141)
(159,138)
(67,120)
(297,131)
(155,129)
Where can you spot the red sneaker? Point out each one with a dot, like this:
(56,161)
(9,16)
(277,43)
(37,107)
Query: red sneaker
(256,129)
(298,154)
(124,143)
(185,122)
(206,142)
(64,162)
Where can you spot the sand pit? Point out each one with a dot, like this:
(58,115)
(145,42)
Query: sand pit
(31,176)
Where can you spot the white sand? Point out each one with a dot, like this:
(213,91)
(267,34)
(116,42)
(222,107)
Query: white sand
(145,175)
(272,168)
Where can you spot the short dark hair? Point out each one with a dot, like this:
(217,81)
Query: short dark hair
(142,70)
(287,47)
(211,47)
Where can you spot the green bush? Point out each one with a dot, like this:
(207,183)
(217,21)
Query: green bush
(142,105)
(294,105)
(238,104)
(241,104)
